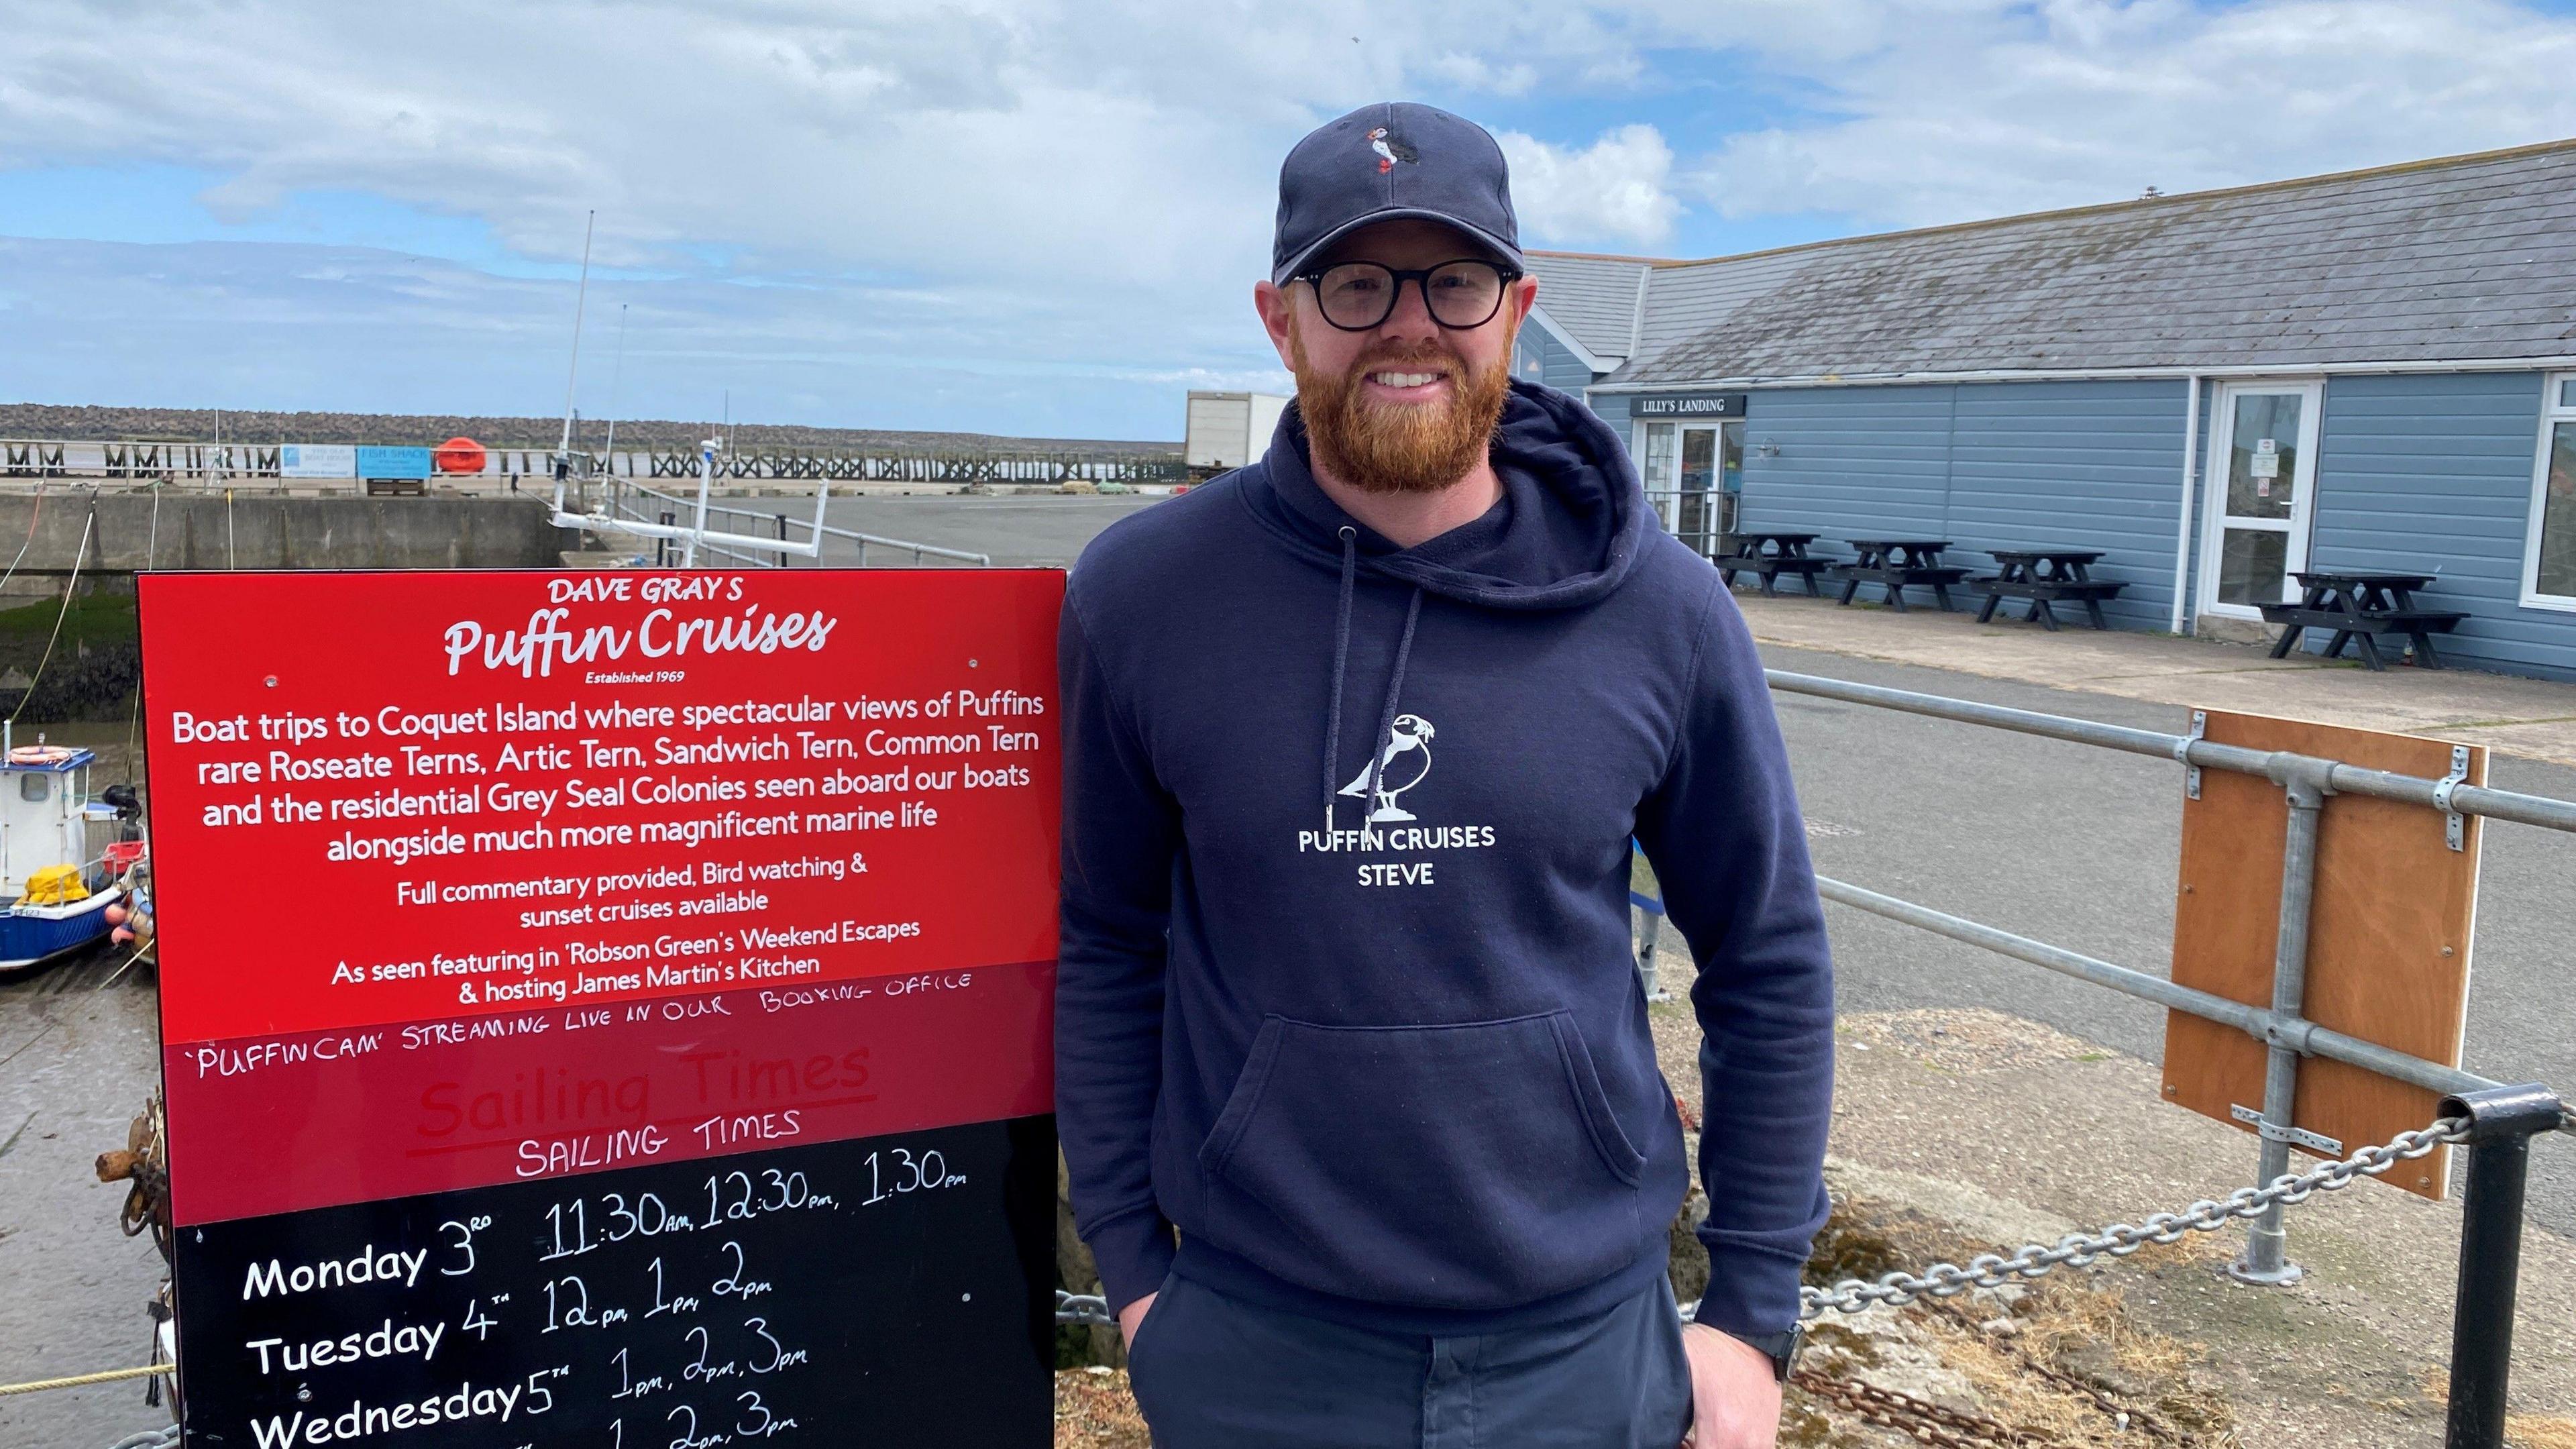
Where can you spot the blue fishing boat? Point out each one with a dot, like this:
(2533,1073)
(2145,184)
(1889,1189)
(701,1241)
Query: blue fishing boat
(57,868)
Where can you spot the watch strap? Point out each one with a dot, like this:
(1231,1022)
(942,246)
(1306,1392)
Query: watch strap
(1781,1348)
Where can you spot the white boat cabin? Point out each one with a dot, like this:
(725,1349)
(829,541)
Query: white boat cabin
(49,817)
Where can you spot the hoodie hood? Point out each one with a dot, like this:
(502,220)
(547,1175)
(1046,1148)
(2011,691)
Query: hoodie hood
(1566,532)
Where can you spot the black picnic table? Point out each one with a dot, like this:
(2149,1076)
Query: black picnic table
(1769,555)
(2359,607)
(2045,576)
(1897,563)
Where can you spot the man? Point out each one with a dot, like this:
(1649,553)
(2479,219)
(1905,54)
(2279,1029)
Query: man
(1356,741)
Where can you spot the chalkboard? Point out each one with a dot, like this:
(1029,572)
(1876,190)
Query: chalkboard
(894,1290)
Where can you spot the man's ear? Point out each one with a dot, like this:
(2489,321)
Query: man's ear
(1274,304)
(1524,297)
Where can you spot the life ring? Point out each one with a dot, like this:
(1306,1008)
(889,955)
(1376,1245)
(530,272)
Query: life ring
(39,755)
(458,455)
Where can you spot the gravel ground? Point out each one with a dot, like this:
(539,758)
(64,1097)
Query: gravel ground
(1095,1410)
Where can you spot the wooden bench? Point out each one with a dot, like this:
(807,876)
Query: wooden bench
(1897,564)
(2045,577)
(397,487)
(2358,608)
(1769,555)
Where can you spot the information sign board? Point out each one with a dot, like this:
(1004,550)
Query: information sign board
(608,1008)
(317,460)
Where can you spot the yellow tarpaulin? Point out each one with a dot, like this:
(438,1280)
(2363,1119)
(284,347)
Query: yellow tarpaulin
(55,885)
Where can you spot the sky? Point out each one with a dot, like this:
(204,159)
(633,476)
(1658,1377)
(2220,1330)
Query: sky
(1045,217)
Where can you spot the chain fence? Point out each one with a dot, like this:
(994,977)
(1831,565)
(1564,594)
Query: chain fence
(2119,1240)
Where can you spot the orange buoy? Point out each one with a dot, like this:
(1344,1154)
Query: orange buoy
(458,455)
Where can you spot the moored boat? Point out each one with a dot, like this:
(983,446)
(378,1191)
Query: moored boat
(63,853)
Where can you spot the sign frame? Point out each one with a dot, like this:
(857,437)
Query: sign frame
(331,1134)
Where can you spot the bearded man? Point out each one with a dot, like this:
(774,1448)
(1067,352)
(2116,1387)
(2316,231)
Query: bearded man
(1362,1115)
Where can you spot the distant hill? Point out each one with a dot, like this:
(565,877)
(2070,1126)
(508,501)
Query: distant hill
(38,420)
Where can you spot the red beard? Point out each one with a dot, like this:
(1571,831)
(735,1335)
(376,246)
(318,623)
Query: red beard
(1408,448)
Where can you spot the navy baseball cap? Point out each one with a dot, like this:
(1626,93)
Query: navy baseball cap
(1391,160)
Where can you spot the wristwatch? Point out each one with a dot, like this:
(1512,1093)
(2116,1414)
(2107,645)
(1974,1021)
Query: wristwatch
(1781,1348)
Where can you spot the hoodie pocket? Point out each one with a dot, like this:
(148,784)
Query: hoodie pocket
(1473,1166)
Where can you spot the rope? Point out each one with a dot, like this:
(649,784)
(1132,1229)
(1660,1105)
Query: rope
(151,557)
(69,587)
(79,1380)
(35,515)
(128,961)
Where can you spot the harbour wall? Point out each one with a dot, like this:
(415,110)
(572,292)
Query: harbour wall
(250,531)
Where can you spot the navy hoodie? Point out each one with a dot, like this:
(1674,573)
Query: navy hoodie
(1346,992)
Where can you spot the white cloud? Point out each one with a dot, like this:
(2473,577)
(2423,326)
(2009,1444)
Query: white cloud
(1104,141)
(1088,181)
(1613,191)
(1949,111)
(1001,187)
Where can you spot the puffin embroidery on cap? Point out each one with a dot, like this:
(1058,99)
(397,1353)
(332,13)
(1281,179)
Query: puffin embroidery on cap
(1389,150)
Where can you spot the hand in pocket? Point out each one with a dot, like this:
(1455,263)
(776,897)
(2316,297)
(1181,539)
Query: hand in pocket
(1132,1317)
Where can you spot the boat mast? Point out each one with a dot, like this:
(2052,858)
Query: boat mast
(581,299)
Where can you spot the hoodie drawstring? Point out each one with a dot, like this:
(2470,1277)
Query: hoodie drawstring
(1386,719)
(1341,661)
(1341,665)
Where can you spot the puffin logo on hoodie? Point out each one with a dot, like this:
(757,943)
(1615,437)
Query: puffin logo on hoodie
(1404,764)
(1385,824)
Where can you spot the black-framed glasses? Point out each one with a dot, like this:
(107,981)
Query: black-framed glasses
(1357,296)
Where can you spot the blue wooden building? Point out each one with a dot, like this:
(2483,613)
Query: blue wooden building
(2371,370)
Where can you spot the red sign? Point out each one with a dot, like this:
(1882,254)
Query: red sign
(463,877)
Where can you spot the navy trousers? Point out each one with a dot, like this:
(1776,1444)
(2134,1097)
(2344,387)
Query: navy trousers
(1212,1372)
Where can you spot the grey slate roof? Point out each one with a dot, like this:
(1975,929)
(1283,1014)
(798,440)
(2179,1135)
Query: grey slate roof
(2461,259)
(1595,298)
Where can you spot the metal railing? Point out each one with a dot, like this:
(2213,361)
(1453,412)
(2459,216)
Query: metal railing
(2500,1118)
(631,502)
(1702,518)
(243,461)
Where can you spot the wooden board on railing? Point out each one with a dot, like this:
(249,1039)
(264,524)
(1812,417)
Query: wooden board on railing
(2388,936)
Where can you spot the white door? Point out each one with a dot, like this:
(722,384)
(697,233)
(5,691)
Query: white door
(1695,491)
(2261,485)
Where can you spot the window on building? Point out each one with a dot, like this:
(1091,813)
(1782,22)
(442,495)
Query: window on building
(2552,568)
(1656,464)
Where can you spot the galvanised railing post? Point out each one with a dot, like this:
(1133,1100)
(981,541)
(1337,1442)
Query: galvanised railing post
(2267,1247)
(2502,1123)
